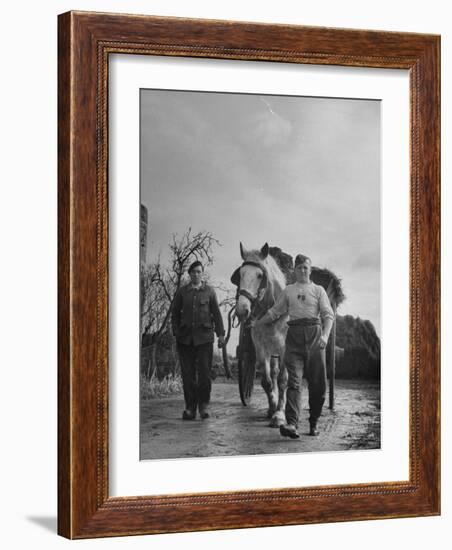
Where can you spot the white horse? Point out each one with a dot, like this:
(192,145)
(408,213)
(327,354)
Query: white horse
(260,281)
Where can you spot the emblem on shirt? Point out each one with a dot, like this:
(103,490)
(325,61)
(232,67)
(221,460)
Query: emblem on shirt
(301,297)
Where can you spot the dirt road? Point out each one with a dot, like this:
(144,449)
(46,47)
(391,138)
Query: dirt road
(234,429)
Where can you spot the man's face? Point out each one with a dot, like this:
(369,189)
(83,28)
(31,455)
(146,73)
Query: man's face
(196,275)
(303,272)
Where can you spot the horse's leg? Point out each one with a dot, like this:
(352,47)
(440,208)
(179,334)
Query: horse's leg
(274,371)
(266,383)
(278,416)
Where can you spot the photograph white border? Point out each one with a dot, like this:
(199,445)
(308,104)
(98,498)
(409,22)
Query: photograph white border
(130,476)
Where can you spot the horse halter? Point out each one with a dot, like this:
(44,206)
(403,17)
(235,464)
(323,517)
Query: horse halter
(235,279)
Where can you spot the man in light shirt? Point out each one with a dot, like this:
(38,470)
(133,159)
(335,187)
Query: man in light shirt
(310,320)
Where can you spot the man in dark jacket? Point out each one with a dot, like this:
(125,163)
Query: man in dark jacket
(195,316)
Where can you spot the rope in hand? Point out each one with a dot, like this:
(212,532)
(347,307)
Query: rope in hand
(226,340)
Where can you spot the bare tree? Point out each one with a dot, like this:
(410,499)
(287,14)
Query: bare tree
(159,284)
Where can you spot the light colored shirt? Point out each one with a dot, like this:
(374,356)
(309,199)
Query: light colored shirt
(301,301)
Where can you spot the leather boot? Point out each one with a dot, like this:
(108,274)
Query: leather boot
(313,428)
(287,430)
(188,414)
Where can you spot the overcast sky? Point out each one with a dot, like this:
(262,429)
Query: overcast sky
(297,172)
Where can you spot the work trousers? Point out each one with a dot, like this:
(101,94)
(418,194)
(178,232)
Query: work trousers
(303,356)
(196,364)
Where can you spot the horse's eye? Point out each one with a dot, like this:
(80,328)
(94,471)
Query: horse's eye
(259,276)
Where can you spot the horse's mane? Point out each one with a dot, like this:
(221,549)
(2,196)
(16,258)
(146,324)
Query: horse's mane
(274,272)
(284,261)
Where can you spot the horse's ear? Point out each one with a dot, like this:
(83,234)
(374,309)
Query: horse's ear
(264,251)
(235,277)
(242,252)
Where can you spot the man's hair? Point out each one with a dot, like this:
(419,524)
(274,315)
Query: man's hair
(301,259)
(195,264)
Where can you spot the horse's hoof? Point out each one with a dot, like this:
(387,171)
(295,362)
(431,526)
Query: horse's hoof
(278,419)
(276,422)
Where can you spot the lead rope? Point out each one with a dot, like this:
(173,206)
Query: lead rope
(227,368)
(233,322)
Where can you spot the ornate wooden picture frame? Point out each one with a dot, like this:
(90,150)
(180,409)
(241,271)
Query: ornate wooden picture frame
(86,41)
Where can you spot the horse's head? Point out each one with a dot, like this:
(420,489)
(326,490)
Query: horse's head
(251,279)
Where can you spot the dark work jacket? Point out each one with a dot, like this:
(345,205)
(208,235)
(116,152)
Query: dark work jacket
(195,315)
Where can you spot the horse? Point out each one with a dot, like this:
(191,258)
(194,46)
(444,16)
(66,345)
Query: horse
(259,282)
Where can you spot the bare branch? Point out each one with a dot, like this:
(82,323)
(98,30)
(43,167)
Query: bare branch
(159,283)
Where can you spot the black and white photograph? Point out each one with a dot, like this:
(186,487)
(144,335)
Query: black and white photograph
(224,238)
(259,275)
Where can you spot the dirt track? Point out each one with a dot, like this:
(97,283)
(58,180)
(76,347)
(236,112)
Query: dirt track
(237,430)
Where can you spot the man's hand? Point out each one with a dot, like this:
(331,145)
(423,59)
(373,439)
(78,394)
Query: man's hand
(221,341)
(323,341)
